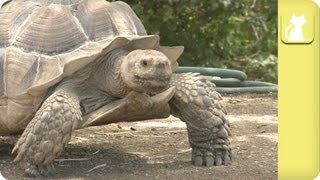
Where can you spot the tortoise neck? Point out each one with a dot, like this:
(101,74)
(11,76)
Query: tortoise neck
(106,74)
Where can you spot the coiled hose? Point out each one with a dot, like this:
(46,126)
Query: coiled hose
(231,81)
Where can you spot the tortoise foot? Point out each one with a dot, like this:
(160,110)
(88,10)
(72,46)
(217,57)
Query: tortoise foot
(204,157)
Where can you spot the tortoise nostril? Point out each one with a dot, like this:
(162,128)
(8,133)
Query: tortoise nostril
(161,65)
(144,63)
(164,64)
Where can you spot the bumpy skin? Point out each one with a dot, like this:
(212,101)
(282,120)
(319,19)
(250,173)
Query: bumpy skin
(99,84)
(48,132)
(199,105)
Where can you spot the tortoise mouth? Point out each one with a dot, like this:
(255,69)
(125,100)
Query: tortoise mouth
(154,78)
(152,84)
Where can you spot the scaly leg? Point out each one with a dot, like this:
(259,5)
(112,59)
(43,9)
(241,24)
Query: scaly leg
(48,133)
(199,105)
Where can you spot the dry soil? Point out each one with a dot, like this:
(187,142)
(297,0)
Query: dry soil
(159,149)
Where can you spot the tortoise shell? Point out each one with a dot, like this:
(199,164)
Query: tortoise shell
(44,41)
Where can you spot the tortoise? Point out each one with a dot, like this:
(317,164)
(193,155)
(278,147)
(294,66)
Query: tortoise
(71,64)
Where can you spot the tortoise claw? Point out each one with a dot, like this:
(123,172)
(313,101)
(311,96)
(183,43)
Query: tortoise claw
(36,171)
(204,157)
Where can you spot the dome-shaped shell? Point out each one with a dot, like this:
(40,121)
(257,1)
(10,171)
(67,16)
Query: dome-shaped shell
(43,41)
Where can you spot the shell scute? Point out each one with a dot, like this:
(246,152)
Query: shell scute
(12,17)
(50,30)
(17,68)
(104,20)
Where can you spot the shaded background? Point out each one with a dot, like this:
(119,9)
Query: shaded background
(223,33)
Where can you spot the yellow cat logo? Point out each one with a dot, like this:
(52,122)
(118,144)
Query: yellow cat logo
(294,31)
(297,27)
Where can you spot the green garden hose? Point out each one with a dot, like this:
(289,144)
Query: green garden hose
(232,81)
(258,90)
(223,73)
(237,83)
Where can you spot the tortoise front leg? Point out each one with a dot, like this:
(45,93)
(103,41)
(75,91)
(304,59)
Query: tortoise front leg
(199,105)
(48,133)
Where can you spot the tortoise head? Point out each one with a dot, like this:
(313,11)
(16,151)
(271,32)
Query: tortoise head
(146,71)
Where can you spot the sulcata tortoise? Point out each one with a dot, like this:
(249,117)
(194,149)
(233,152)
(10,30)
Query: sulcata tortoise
(69,64)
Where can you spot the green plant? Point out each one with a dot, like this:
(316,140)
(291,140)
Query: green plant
(223,34)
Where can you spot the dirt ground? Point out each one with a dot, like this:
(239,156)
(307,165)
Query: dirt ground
(159,149)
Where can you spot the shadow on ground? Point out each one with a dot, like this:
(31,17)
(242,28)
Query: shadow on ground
(159,149)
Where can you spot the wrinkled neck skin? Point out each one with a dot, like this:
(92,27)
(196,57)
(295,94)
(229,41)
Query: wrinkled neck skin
(102,82)
(106,76)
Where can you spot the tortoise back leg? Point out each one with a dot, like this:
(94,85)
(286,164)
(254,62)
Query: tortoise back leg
(200,106)
(48,133)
